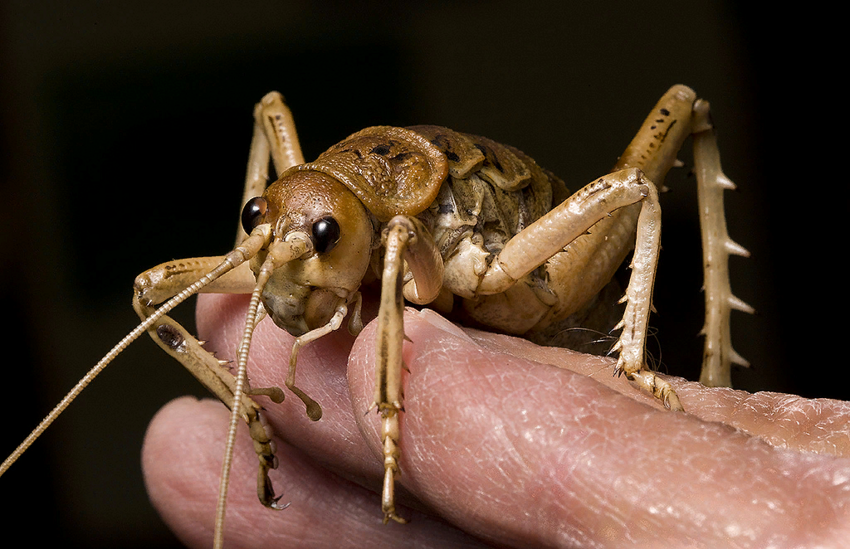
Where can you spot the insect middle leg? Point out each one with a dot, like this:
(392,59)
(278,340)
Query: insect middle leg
(407,241)
(543,242)
(581,271)
(678,115)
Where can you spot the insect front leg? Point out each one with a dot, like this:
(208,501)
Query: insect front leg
(550,234)
(406,240)
(162,282)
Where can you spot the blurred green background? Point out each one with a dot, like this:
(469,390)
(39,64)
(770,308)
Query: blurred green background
(125,133)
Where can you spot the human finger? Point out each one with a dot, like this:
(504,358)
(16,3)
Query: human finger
(517,452)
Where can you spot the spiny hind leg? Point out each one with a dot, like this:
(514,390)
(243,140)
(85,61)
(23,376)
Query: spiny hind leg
(580,229)
(718,354)
(160,283)
(678,115)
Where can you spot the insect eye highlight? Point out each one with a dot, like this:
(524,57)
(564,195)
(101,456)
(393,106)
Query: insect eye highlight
(325,234)
(254,213)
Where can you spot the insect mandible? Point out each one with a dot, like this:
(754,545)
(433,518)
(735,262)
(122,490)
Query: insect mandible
(458,222)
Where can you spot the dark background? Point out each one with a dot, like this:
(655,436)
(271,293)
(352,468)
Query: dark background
(125,132)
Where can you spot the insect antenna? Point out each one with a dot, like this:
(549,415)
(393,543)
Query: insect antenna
(247,250)
(280,252)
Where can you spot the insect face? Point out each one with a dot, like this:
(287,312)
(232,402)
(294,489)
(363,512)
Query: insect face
(303,294)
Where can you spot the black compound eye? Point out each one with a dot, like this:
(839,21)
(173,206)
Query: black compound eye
(254,213)
(325,234)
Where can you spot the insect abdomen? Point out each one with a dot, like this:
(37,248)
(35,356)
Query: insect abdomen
(493,191)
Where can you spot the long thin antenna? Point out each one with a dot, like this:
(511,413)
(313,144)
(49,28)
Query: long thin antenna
(259,236)
(296,245)
(110,356)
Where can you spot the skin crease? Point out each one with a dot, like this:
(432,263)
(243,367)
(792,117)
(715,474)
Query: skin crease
(511,451)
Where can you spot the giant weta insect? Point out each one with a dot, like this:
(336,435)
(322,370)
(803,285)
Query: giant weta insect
(442,218)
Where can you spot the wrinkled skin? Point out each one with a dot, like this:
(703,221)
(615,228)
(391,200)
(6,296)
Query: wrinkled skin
(510,450)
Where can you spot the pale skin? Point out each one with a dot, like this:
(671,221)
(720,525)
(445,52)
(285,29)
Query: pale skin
(507,448)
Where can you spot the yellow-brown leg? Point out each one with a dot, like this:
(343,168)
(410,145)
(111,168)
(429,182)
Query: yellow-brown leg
(274,137)
(718,354)
(406,240)
(677,115)
(572,219)
(169,279)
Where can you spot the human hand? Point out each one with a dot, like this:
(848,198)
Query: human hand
(505,448)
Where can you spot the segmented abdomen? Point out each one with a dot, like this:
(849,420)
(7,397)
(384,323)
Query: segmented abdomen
(493,191)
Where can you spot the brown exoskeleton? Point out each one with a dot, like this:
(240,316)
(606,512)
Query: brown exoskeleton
(474,228)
